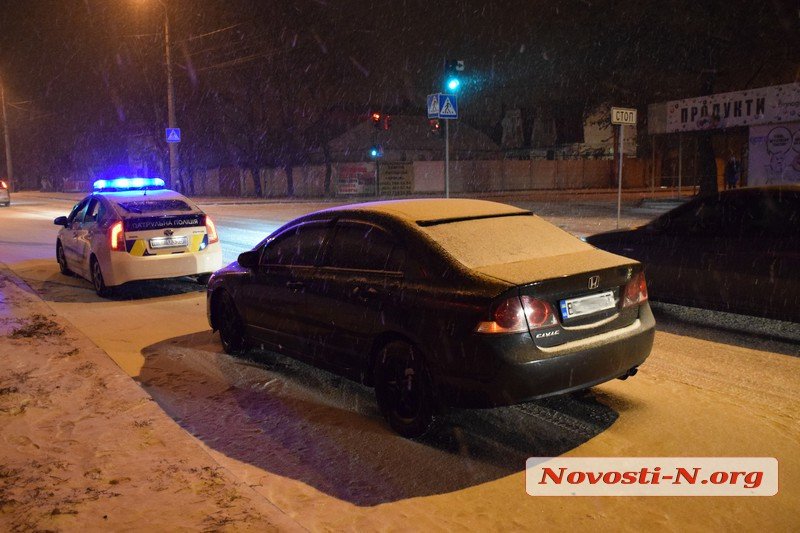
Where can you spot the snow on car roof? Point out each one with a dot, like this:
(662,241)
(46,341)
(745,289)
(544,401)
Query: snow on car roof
(429,211)
(134,194)
(150,200)
(496,239)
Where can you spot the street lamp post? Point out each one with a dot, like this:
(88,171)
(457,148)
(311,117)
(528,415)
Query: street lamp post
(174,171)
(6,136)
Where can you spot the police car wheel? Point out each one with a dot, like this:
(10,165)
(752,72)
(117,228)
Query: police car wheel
(231,326)
(62,260)
(97,279)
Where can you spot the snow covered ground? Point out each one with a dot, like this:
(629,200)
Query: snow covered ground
(269,442)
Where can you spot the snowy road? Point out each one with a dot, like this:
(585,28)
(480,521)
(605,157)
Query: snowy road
(314,445)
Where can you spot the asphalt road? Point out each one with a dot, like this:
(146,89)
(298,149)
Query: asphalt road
(314,445)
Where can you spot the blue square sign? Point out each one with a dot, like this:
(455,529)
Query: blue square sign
(433,105)
(173,135)
(448,106)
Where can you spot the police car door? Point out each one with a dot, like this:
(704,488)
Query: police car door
(73,250)
(90,234)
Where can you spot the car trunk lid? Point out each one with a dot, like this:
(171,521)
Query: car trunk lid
(583,288)
(165,234)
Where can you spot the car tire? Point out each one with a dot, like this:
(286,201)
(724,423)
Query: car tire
(97,279)
(62,260)
(404,390)
(202,279)
(230,325)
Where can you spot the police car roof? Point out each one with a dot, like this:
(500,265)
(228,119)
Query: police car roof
(141,194)
(147,196)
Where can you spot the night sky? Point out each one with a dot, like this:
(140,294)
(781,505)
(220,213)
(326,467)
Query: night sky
(81,76)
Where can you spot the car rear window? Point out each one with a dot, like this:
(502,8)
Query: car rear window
(360,247)
(150,206)
(505,239)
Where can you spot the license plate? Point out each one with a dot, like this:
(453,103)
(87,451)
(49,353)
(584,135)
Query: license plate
(169,242)
(586,305)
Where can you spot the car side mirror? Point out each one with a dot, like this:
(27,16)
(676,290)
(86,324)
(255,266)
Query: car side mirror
(61,221)
(248,259)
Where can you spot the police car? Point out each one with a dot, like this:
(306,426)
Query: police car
(135,229)
(5,196)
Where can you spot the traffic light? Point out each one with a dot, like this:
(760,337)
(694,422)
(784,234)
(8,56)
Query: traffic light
(375,151)
(380,121)
(453,72)
(435,127)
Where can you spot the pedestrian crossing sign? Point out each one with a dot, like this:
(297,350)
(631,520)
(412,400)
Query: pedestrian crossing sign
(442,106)
(448,106)
(433,105)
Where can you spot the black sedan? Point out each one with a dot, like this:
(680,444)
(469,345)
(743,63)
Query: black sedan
(438,302)
(736,251)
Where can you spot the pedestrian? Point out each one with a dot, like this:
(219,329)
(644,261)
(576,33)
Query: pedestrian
(732,173)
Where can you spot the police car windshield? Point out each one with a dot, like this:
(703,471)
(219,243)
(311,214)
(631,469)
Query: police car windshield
(149,206)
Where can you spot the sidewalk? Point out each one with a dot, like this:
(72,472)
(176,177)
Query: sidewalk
(83,447)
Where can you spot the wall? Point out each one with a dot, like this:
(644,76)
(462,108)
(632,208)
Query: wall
(467,176)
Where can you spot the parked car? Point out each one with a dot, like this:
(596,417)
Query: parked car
(135,229)
(5,196)
(737,251)
(437,302)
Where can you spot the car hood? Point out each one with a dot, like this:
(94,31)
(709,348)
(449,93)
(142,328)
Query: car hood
(531,270)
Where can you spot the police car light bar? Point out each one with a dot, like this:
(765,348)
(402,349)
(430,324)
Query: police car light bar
(128,184)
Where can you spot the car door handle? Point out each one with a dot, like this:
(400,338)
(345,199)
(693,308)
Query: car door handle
(295,285)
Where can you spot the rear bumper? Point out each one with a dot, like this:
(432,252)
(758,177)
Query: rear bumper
(530,373)
(4,196)
(122,267)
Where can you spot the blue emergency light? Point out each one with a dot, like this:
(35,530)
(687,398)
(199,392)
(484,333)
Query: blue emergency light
(129,184)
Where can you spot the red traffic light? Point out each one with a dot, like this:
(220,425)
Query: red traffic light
(380,121)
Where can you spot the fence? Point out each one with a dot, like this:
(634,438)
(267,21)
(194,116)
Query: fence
(428,177)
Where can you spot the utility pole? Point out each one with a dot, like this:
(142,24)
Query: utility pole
(174,172)
(9,166)
(447,159)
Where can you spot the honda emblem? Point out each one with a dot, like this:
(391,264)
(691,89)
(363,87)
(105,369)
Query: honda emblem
(594,282)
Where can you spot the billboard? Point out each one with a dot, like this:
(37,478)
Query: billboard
(774,154)
(355,178)
(396,179)
(766,105)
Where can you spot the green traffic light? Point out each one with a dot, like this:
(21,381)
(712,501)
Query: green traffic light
(453,84)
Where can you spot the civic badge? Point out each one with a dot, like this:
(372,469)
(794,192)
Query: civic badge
(594,282)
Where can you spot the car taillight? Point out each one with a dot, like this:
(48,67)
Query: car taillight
(211,230)
(518,314)
(635,291)
(117,236)
(3,185)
